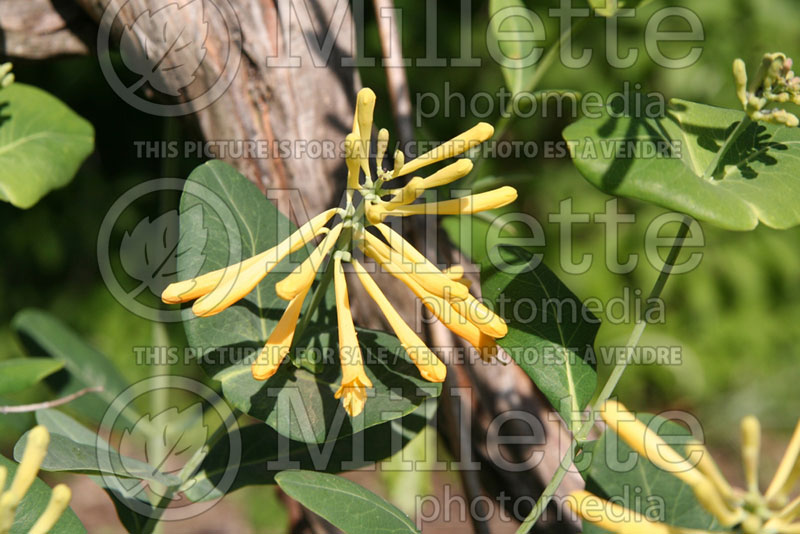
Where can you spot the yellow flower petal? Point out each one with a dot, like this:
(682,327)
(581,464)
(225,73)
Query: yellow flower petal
(406,194)
(647,443)
(451,173)
(437,305)
(8,507)
(615,518)
(709,468)
(478,314)
(35,451)
(430,367)
(751,449)
(454,272)
(354,159)
(381,146)
(489,200)
(455,146)
(233,287)
(788,471)
(421,268)
(303,275)
(59,500)
(280,340)
(197,287)
(354,380)
(652,447)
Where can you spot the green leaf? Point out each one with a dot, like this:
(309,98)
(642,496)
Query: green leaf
(265,453)
(755,181)
(296,402)
(34,503)
(550,333)
(618,472)
(345,504)
(21,373)
(43,334)
(42,144)
(609,8)
(510,22)
(75,448)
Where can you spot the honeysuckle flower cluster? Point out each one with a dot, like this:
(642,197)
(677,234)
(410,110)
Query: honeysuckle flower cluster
(748,511)
(6,76)
(774,83)
(35,451)
(369,201)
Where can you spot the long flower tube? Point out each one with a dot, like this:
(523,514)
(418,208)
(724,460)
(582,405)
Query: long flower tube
(430,367)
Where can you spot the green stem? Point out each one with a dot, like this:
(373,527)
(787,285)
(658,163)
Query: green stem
(541,69)
(742,126)
(611,383)
(316,300)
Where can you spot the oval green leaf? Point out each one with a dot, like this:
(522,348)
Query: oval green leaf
(665,160)
(345,504)
(42,144)
(21,373)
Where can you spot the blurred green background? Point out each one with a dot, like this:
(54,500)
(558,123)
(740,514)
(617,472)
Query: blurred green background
(735,317)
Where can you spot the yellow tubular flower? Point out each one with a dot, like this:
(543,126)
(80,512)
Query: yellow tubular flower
(454,272)
(451,173)
(353,160)
(406,194)
(59,500)
(421,268)
(458,145)
(437,305)
(8,507)
(381,146)
(652,447)
(433,283)
(618,519)
(280,340)
(365,110)
(709,468)
(788,470)
(35,451)
(751,448)
(303,275)
(203,284)
(478,314)
(353,390)
(3,475)
(430,367)
(489,200)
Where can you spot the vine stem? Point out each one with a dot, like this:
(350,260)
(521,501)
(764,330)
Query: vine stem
(24,408)
(740,128)
(611,383)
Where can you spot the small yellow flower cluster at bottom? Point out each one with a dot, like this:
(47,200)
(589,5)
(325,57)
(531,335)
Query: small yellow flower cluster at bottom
(35,451)
(738,510)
